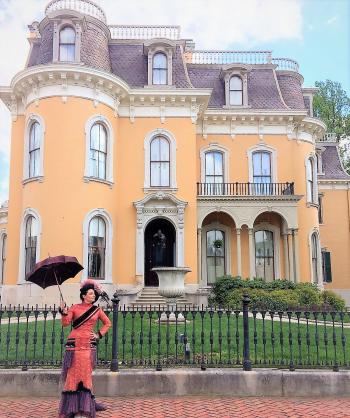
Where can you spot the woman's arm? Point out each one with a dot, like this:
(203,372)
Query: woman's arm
(66,315)
(106,323)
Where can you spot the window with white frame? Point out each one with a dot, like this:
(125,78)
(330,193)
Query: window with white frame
(311,184)
(35,134)
(30,243)
(262,173)
(215,255)
(159,69)
(3,247)
(236,91)
(67,44)
(314,257)
(97,248)
(159,162)
(264,254)
(98,151)
(214,172)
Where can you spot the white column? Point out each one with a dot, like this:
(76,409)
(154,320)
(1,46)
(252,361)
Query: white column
(285,252)
(291,256)
(239,252)
(296,255)
(199,255)
(251,254)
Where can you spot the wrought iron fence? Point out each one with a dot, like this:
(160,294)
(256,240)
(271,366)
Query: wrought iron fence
(192,336)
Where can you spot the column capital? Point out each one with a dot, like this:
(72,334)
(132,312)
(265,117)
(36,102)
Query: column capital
(238,231)
(250,231)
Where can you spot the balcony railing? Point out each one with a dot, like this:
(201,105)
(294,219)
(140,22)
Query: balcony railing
(245,189)
(329,137)
(241,57)
(144,31)
(86,7)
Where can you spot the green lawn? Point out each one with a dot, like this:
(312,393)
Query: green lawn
(219,339)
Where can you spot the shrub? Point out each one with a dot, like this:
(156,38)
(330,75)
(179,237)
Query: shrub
(333,300)
(308,296)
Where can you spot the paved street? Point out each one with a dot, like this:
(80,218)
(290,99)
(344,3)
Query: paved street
(194,407)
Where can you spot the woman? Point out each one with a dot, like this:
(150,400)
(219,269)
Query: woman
(80,356)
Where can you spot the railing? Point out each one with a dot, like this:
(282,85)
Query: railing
(209,337)
(87,7)
(329,137)
(241,57)
(245,189)
(144,32)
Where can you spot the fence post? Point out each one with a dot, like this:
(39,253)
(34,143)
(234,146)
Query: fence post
(247,365)
(114,362)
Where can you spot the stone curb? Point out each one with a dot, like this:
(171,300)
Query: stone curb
(179,382)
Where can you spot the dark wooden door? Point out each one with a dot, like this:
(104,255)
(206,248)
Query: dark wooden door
(159,248)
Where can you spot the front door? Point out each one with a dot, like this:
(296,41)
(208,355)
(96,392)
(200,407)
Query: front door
(159,248)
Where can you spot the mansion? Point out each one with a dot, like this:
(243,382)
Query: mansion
(131,149)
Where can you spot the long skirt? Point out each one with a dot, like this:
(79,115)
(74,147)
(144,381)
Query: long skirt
(78,364)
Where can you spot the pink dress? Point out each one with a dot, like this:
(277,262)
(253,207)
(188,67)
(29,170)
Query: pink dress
(80,359)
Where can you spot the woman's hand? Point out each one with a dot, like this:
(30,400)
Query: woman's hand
(96,336)
(63,308)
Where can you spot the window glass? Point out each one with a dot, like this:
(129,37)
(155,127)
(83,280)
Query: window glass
(31,234)
(34,149)
(67,44)
(97,248)
(264,255)
(159,68)
(314,255)
(160,162)
(3,257)
(236,91)
(215,255)
(98,151)
(310,180)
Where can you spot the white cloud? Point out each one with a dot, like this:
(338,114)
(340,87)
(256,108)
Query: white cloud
(331,20)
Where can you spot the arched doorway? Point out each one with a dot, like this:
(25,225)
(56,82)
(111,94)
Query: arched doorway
(160,247)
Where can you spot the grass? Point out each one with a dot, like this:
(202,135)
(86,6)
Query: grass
(142,340)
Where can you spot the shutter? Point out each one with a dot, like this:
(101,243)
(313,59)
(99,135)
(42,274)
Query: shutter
(327,268)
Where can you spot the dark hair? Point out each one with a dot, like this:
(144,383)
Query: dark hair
(84,290)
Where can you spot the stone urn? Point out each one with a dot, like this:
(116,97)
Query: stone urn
(171,287)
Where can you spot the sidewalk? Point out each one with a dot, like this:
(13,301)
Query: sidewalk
(187,407)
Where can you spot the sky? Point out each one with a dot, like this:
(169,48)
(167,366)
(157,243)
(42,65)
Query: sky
(316,33)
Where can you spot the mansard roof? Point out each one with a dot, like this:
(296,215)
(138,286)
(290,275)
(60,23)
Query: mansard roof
(332,166)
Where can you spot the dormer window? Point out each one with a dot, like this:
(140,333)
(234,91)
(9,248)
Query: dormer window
(160,70)
(236,80)
(67,44)
(236,91)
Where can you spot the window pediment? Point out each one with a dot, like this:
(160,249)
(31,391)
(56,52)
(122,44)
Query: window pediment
(159,47)
(236,85)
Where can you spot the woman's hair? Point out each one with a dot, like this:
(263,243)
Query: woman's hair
(84,290)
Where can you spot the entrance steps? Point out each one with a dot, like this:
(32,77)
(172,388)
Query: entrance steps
(149,297)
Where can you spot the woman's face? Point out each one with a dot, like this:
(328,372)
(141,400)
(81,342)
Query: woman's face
(89,297)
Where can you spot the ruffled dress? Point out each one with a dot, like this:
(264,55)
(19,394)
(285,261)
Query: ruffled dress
(80,359)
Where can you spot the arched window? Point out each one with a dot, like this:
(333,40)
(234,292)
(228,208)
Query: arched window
(215,255)
(35,133)
(314,257)
(160,162)
(236,91)
(3,257)
(264,255)
(262,176)
(67,44)
(97,248)
(98,151)
(30,244)
(310,178)
(160,69)
(214,172)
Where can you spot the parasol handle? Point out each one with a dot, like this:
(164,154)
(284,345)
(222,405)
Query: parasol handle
(61,296)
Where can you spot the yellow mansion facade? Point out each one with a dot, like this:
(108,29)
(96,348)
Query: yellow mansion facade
(131,149)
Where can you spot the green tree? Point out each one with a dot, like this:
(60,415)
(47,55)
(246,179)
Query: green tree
(332,105)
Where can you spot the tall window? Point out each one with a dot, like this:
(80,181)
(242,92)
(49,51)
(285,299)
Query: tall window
(34,150)
(320,209)
(98,151)
(264,255)
(262,172)
(310,180)
(314,257)
(215,255)
(160,69)
(3,257)
(236,91)
(31,239)
(160,162)
(67,44)
(97,248)
(214,172)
